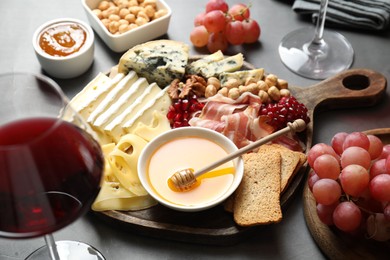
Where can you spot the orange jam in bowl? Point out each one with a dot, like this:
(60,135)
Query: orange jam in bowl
(189,147)
(62,39)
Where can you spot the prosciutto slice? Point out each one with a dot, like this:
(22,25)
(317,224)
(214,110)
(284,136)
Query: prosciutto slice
(236,119)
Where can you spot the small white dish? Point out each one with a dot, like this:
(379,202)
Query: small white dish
(69,66)
(123,42)
(156,143)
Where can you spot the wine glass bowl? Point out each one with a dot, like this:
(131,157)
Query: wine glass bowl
(50,168)
(316,53)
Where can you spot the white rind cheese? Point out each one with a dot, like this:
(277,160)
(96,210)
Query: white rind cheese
(114,129)
(145,115)
(120,105)
(86,101)
(113,96)
(159,61)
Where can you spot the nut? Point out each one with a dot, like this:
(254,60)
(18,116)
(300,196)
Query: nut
(210,91)
(234,93)
(264,97)
(274,93)
(262,85)
(223,91)
(232,83)
(282,84)
(214,81)
(271,80)
(285,92)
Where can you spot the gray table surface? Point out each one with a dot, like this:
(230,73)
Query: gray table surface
(291,238)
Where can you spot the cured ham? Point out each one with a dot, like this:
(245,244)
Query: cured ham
(236,119)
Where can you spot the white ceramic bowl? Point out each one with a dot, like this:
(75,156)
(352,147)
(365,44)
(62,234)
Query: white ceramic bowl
(67,66)
(124,41)
(214,136)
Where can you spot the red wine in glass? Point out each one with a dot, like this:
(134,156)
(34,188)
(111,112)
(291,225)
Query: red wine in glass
(50,165)
(56,178)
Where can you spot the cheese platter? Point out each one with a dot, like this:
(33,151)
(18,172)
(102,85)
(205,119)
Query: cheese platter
(352,88)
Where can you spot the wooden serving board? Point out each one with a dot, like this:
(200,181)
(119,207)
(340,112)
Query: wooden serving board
(336,244)
(359,87)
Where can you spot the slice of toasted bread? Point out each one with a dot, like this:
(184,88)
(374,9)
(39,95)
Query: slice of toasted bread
(291,161)
(257,199)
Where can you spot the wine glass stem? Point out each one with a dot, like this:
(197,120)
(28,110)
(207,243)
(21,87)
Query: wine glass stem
(51,245)
(319,31)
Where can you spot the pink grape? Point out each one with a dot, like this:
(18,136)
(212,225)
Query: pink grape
(347,216)
(356,139)
(354,179)
(235,33)
(325,213)
(376,146)
(386,211)
(252,30)
(317,150)
(378,167)
(217,41)
(380,187)
(378,227)
(313,178)
(199,19)
(326,191)
(338,141)
(387,164)
(239,12)
(355,155)
(385,152)
(217,5)
(199,36)
(214,21)
(326,166)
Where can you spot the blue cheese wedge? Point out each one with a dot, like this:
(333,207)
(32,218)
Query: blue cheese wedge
(215,68)
(196,66)
(242,76)
(114,129)
(159,61)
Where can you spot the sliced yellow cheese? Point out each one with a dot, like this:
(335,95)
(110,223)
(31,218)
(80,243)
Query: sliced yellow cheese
(121,104)
(90,97)
(119,90)
(160,124)
(123,161)
(113,130)
(145,115)
(113,196)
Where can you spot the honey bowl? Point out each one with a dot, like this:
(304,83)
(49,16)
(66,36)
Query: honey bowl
(195,148)
(64,47)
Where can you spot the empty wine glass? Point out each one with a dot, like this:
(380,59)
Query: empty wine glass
(50,167)
(316,55)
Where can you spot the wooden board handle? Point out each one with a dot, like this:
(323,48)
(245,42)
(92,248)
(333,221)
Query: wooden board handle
(354,87)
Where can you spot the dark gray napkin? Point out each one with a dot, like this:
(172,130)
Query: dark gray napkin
(362,14)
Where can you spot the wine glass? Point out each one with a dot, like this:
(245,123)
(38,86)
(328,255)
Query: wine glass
(319,54)
(50,166)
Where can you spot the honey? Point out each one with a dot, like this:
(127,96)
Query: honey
(195,153)
(62,39)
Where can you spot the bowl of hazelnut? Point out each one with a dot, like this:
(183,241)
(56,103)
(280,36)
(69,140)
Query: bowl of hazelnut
(122,24)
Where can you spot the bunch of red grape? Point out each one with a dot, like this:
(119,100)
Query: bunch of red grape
(350,182)
(220,26)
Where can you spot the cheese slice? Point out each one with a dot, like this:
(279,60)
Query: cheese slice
(119,90)
(114,129)
(159,125)
(121,104)
(196,66)
(145,115)
(159,61)
(90,97)
(229,64)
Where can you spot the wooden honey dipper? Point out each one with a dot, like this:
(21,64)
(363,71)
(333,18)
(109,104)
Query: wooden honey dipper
(185,179)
